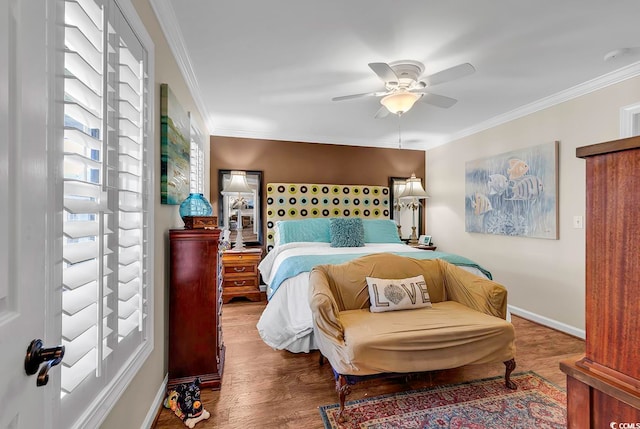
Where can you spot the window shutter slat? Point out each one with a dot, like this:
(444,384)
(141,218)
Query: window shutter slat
(81,161)
(73,376)
(128,240)
(129,272)
(128,290)
(78,299)
(80,274)
(126,326)
(75,139)
(81,229)
(77,41)
(79,67)
(82,114)
(93,11)
(80,252)
(78,91)
(77,349)
(128,111)
(130,255)
(78,323)
(130,147)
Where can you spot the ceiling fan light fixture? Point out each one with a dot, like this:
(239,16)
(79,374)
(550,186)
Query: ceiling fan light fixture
(399,102)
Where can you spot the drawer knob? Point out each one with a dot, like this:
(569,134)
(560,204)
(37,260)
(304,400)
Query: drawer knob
(239,270)
(240,283)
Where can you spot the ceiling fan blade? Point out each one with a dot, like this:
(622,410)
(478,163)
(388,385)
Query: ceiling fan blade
(438,100)
(383,112)
(385,72)
(446,75)
(366,94)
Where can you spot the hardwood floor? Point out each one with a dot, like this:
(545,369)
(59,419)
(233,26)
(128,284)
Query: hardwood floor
(264,388)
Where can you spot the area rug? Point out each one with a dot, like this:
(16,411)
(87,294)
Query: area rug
(480,404)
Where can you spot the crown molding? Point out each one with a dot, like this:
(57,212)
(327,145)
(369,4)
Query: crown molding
(169,24)
(345,141)
(579,90)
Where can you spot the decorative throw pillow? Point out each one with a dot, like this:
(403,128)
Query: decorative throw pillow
(346,232)
(380,231)
(302,230)
(397,294)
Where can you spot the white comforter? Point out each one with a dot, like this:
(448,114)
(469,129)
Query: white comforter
(286,323)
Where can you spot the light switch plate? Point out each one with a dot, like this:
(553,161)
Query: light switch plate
(577,222)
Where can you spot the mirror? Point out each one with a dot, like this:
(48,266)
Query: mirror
(247,205)
(399,210)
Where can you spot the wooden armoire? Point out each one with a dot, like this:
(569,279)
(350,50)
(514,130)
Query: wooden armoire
(195,305)
(603,387)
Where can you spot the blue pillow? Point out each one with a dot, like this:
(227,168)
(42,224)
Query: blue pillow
(309,230)
(380,231)
(346,232)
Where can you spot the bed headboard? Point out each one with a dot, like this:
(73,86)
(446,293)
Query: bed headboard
(286,201)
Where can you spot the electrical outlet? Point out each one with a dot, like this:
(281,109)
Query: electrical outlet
(577,222)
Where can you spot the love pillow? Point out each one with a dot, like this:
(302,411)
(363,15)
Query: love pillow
(397,294)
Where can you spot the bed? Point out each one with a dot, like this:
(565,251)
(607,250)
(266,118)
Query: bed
(300,220)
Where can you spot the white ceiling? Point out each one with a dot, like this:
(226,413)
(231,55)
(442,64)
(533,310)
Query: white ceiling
(268,69)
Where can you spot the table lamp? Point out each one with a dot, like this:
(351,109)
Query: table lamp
(414,191)
(238,185)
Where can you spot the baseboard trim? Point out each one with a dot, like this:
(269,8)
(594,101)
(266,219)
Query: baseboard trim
(155,405)
(542,320)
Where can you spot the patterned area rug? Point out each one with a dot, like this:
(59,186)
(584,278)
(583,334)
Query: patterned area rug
(480,404)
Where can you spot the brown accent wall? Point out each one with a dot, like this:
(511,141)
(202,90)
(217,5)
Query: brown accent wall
(283,161)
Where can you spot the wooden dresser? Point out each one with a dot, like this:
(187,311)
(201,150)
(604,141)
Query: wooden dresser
(603,387)
(195,338)
(240,276)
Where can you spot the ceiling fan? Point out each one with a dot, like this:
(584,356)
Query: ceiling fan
(403,87)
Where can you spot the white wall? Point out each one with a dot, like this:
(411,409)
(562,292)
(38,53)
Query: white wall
(545,278)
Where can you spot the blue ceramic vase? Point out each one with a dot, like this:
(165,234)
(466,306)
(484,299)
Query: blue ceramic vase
(195,205)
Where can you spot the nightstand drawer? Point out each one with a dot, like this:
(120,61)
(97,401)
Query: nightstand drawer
(233,283)
(239,268)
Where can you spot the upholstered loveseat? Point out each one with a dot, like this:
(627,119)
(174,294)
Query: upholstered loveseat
(465,325)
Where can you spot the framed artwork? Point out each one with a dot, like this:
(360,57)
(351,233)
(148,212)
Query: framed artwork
(425,240)
(514,193)
(175,148)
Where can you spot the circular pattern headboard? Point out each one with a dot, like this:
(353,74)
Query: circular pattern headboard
(286,201)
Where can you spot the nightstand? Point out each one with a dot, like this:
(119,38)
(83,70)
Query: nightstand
(240,275)
(424,246)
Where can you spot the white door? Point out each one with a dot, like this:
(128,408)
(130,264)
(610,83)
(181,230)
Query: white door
(23,209)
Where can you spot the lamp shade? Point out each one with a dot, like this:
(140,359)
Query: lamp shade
(413,189)
(237,183)
(399,102)
(398,187)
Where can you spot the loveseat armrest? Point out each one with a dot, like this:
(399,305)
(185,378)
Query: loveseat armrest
(475,292)
(324,309)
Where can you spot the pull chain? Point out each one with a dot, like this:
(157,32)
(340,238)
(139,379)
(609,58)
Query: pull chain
(399,134)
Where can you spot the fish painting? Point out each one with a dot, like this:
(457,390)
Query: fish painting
(517,168)
(498,184)
(526,188)
(514,193)
(480,204)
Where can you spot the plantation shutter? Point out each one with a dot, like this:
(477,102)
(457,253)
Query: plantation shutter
(107,170)
(196,182)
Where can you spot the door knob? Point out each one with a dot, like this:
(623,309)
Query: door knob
(36,355)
